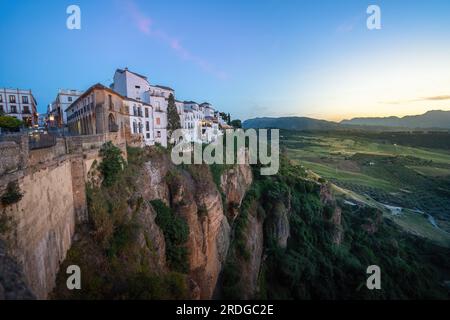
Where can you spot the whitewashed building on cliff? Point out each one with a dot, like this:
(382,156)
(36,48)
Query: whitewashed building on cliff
(146,106)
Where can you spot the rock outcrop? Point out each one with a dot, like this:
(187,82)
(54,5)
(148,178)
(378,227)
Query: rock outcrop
(327,198)
(278,223)
(193,195)
(254,243)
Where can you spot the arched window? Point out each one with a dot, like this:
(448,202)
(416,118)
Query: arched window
(134,127)
(113,127)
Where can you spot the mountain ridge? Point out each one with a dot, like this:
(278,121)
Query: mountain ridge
(433,119)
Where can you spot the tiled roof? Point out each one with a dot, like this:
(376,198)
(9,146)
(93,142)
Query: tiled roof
(97,86)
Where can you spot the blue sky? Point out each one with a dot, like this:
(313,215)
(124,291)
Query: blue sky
(249,58)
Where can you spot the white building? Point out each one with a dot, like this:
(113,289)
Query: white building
(137,87)
(141,119)
(64,98)
(201,121)
(20,104)
(130,84)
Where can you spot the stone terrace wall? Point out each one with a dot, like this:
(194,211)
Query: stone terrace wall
(52,181)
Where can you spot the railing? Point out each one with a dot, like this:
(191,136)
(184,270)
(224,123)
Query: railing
(41,141)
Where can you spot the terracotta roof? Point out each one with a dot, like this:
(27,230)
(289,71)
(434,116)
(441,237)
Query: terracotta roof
(97,86)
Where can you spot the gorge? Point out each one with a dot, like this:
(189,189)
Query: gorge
(140,227)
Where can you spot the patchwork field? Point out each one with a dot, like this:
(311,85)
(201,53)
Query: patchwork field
(382,173)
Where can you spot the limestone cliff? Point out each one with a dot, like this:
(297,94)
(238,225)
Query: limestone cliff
(194,196)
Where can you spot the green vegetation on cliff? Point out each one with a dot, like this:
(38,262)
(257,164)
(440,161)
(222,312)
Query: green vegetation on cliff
(115,263)
(316,262)
(176,232)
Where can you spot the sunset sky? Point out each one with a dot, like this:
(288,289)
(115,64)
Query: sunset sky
(249,58)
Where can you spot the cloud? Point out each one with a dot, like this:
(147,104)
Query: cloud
(432,98)
(146,26)
(436,98)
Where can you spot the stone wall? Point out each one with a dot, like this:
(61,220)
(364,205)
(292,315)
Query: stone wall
(43,225)
(53,182)
(10,156)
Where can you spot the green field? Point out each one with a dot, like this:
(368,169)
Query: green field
(382,173)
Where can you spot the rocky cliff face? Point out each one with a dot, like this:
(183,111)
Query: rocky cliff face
(327,198)
(193,195)
(254,243)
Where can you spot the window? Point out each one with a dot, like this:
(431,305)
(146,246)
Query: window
(24,99)
(13,109)
(12,99)
(1,98)
(137,87)
(1,109)
(26,109)
(158,121)
(111,106)
(70,99)
(158,134)
(146,112)
(147,126)
(148,135)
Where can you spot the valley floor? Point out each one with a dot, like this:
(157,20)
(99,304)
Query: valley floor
(410,184)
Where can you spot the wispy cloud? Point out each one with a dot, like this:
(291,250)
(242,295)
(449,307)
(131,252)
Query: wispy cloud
(437,98)
(432,98)
(147,27)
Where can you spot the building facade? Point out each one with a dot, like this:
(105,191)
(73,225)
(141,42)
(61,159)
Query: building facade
(19,103)
(99,110)
(64,98)
(143,108)
(141,120)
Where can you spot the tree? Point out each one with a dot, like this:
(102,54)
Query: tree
(237,124)
(10,123)
(112,163)
(173,118)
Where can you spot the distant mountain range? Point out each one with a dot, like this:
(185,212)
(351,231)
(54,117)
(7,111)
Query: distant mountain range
(435,119)
(430,119)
